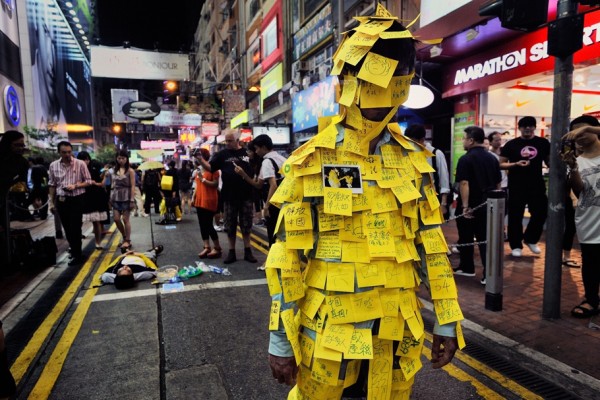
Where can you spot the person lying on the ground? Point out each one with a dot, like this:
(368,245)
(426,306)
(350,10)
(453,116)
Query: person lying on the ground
(131,267)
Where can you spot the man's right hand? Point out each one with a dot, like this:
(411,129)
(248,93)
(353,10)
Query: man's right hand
(284,369)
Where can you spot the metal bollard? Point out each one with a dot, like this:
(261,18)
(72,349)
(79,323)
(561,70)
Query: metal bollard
(495,250)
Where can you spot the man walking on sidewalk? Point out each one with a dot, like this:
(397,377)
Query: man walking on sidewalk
(477,172)
(236,192)
(68,179)
(523,157)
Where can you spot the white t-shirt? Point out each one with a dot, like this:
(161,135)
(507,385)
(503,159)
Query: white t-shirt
(587,213)
(266,169)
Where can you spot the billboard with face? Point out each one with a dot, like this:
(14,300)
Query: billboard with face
(61,79)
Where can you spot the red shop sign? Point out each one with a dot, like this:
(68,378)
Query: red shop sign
(522,57)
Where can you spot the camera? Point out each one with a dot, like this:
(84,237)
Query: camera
(567,146)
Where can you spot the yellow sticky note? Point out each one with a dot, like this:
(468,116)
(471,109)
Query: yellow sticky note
(353,143)
(329,222)
(433,241)
(398,275)
(460,337)
(329,156)
(406,192)
(325,353)
(361,346)
(380,370)
(352,371)
(429,216)
(391,328)
(372,95)
(311,302)
(400,89)
(389,178)
(409,209)
(377,69)
(409,232)
(352,54)
(410,347)
(313,185)
(316,274)
(292,288)
(291,332)
(340,310)
(369,274)
(402,252)
(374,27)
(420,162)
(396,223)
(290,191)
(298,216)
(315,324)
(444,288)
(410,366)
(299,240)
(278,256)
(396,35)
(406,170)
(362,39)
(307,348)
(273,281)
(326,138)
(382,200)
(367,305)
(406,303)
(329,246)
(355,252)
(340,277)
(337,337)
(380,242)
(310,165)
(274,315)
(447,310)
(392,156)
(338,201)
(353,229)
(416,326)
(438,266)
(292,268)
(372,168)
(337,67)
(432,197)
(326,371)
(361,202)
(348,90)
(390,301)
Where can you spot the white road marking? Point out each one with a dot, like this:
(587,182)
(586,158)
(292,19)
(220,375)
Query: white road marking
(188,288)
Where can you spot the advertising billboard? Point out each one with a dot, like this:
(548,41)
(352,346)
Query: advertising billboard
(60,89)
(319,100)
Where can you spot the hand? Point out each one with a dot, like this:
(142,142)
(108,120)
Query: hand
(442,350)
(522,163)
(468,213)
(238,170)
(284,369)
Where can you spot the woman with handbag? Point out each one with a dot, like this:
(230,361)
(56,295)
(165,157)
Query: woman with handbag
(122,197)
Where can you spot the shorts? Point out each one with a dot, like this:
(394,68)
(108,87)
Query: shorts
(122,206)
(244,210)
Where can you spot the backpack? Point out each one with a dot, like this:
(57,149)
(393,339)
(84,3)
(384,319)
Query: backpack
(151,179)
(278,179)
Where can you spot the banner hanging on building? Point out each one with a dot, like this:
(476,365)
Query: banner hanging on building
(117,62)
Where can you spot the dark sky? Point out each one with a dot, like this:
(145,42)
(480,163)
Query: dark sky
(171,23)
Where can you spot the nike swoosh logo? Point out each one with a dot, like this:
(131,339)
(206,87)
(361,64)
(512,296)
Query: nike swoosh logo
(522,103)
(588,108)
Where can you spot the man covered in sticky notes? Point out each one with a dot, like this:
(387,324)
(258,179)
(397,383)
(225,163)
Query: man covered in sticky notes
(345,319)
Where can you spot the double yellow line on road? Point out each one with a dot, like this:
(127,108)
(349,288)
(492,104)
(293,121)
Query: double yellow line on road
(52,369)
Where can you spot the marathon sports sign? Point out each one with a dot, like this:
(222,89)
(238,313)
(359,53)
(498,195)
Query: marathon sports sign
(117,62)
(527,55)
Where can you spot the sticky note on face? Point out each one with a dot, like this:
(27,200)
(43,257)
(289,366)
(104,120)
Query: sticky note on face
(377,69)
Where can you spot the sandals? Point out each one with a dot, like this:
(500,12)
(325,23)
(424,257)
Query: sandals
(582,312)
(204,253)
(570,263)
(215,253)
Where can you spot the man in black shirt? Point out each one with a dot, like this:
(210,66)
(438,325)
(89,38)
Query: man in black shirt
(236,193)
(523,157)
(477,172)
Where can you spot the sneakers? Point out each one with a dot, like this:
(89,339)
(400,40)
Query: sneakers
(261,267)
(516,252)
(463,273)
(230,257)
(535,249)
(219,228)
(483,281)
(248,255)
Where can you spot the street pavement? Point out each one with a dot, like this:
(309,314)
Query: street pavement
(210,341)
